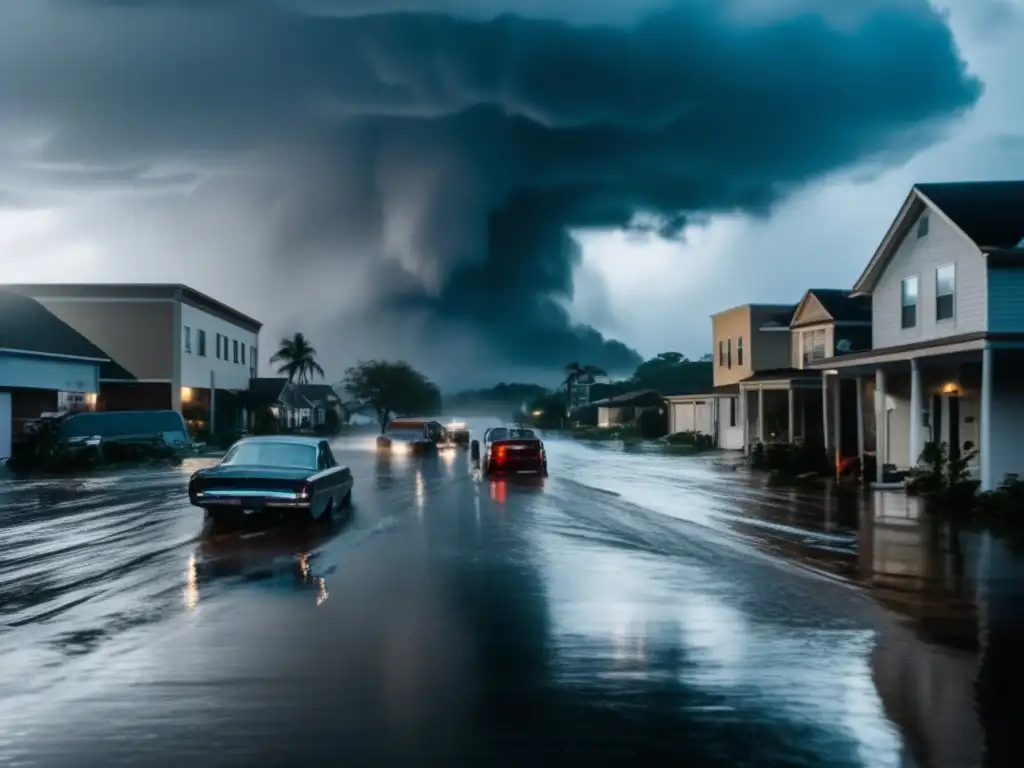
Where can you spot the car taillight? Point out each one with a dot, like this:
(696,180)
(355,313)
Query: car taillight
(499,454)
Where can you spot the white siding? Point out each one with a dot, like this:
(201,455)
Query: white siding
(921,257)
(196,369)
(1006,299)
(48,373)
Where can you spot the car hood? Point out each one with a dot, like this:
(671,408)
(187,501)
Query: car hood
(251,471)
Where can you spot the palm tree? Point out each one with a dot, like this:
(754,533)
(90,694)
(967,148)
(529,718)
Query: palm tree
(574,372)
(298,359)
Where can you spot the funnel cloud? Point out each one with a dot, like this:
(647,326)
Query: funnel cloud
(405,177)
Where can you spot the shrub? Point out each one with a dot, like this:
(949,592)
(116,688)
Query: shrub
(944,480)
(691,439)
(1003,507)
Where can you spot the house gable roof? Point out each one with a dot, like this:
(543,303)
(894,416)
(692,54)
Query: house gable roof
(266,390)
(319,395)
(640,397)
(831,305)
(27,326)
(988,214)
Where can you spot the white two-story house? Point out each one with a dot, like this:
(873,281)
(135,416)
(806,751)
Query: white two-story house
(947,325)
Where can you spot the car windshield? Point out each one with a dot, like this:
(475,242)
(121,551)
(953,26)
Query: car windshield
(503,433)
(273,454)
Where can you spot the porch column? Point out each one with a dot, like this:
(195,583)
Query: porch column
(695,427)
(792,413)
(988,481)
(760,413)
(915,412)
(836,422)
(860,419)
(824,411)
(881,426)
(742,407)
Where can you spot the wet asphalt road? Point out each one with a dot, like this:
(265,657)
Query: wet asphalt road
(585,620)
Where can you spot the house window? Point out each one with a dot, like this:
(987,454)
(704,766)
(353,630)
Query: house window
(908,302)
(234,345)
(201,342)
(728,352)
(188,339)
(922,226)
(739,350)
(218,346)
(732,411)
(252,362)
(814,346)
(818,345)
(721,354)
(242,348)
(945,292)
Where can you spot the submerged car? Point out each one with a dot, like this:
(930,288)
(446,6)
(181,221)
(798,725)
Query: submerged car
(409,435)
(511,449)
(296,476)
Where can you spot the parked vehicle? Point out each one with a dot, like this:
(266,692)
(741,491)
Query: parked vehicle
(124,428)
(458,433)
(511,449)
(80,440)
(409,435)
(293,475)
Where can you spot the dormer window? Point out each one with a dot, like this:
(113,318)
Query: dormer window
(922,226)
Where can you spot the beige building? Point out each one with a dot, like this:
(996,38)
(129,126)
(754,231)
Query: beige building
(170,346)
(748,340)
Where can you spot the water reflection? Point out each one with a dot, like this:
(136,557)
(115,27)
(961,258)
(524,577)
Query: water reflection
(191,591)
(948,670)
(499,491)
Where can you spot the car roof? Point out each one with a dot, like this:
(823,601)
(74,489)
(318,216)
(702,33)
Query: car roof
(294,439)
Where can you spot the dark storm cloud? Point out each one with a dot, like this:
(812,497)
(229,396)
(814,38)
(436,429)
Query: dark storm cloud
(450,153)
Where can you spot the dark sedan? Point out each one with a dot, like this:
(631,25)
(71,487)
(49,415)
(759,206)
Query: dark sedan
(512,449)
(297,476)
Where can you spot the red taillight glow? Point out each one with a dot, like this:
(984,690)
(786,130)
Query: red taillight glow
(499,453)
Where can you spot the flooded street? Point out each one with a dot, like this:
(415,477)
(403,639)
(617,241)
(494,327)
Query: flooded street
(632,607)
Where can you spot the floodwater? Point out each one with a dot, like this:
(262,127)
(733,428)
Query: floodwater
(632,608)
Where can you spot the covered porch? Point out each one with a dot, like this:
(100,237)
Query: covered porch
(966,394)
(781,406)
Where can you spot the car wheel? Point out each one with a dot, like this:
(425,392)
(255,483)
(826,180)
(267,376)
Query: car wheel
(328,514)
(474,450)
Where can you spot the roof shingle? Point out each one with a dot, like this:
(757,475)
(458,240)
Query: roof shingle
(27,326)
(991,213)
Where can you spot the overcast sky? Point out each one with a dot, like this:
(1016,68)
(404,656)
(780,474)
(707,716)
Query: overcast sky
(447,182)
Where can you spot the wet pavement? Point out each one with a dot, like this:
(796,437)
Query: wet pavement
(632,608)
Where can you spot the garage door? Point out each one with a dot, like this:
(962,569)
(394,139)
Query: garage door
(682,417)
(5,425)
(704,417)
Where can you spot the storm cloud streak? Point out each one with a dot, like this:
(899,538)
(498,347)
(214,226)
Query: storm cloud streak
(428,161)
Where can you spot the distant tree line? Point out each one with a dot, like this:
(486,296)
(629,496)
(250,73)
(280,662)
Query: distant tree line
(668,373)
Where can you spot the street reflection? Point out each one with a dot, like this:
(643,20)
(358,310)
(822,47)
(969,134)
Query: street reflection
(499,491)
(191,591)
